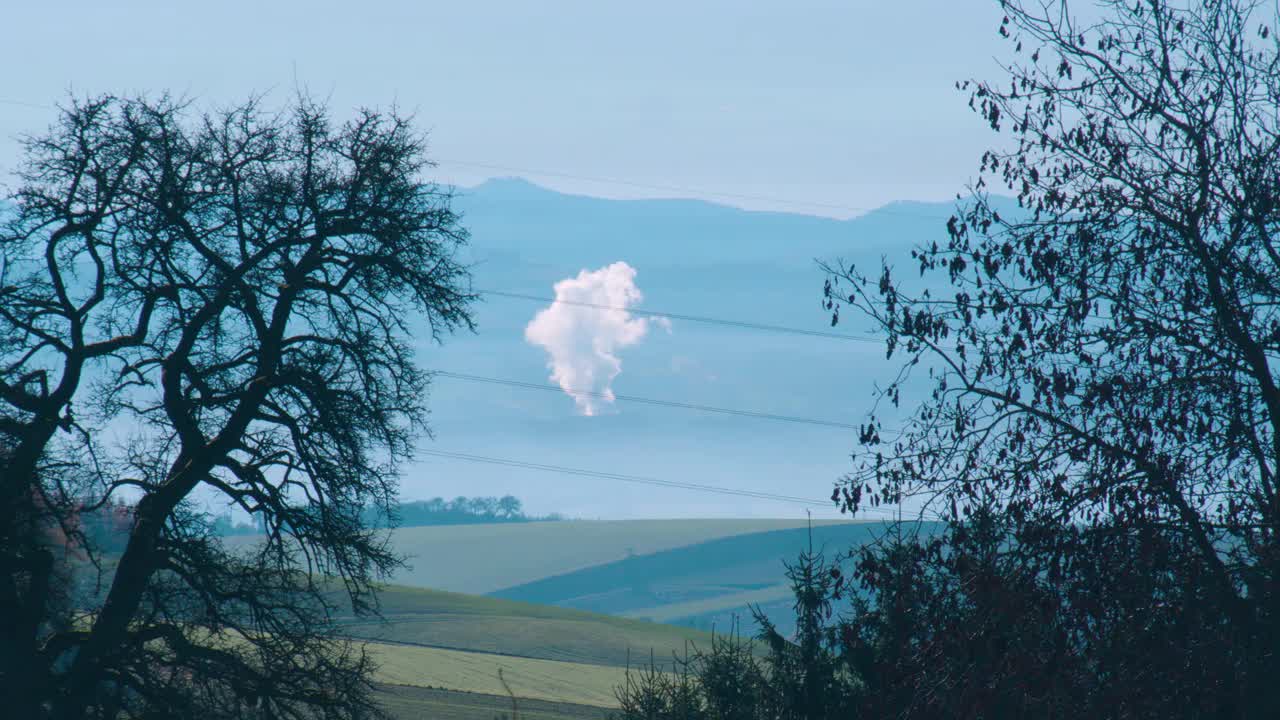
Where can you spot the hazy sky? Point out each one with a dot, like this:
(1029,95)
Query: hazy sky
(810,104)
(824,108)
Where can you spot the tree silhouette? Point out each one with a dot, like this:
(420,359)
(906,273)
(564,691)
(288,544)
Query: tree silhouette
(1101,358)
(240,288)
(509,506)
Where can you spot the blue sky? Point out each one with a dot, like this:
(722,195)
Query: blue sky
(823,108)
(820,107)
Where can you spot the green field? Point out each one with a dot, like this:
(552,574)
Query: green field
(732,602)
(468,622)
(485,558)
(705,584)
(411,703)
(475,672)
(440,652)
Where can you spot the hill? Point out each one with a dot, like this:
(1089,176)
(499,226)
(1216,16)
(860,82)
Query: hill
(474,672)
(703,584)
(487,558)
(439,655)
(440,652)
(691,258)
(694,573)
(458,622)
(413,703)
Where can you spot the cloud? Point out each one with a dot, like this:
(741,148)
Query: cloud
(582,341)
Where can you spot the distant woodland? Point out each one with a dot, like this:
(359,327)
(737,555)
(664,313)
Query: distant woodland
(458,511)
(106,525)
(1086,408)
(436,511)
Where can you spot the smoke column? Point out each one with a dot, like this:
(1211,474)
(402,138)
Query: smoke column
(582,342)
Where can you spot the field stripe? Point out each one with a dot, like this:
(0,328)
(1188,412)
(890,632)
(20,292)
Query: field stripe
(552,680)
(736,601)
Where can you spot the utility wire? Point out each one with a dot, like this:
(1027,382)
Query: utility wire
(625,478)
(648,401)
(883,512)
(689,318)
(650,313)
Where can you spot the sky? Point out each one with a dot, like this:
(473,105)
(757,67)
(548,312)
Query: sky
(825,108)
(822,108)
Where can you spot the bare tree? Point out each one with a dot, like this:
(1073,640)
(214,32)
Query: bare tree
(1102,360)
(255,281)
(65,305)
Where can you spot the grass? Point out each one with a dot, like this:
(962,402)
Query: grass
(484,624)
(440,652)
(485,558)
(737,601)
(718,568)
(407,702)
(475,672)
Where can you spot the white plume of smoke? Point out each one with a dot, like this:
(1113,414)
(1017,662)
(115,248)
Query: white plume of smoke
(581,341)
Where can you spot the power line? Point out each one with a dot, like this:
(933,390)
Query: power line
(624,478)
(655,314)
(649,401)
(690,318)
(650,313)
(884,512)
(620,477)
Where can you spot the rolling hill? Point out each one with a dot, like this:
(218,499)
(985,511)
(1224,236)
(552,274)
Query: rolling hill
(702,585)
(408,702)
(440,653)
(692,258)
(474,672)
(471,623)
(488,558)
(694,573)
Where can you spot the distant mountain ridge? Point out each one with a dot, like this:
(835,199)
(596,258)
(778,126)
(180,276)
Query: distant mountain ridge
(503,211)
(692,257)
